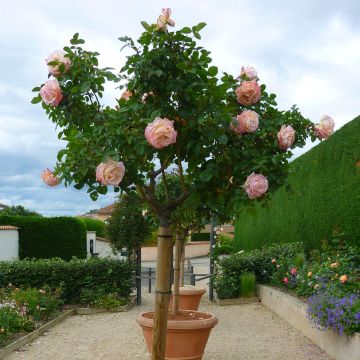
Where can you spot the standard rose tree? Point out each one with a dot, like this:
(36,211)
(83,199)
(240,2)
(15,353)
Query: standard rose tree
(224,132)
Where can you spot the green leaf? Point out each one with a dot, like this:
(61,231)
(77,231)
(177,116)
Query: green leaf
(36,89)
(223,139)
(186,30)
(206,176)
(213,70)
(197,35)
(61,153)
(36,99)
(200,26)
(146,26)
(85,87)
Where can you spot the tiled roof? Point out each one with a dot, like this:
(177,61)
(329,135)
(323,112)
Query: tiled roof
(8,227)
(107,209)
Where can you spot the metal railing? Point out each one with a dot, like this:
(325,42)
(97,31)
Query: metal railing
(148,278)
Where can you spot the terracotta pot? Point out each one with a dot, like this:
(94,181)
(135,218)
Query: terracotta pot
(189,297)
(185,339)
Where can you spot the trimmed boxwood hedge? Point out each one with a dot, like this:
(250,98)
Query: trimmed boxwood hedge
(324,195)
(94,225)
(72,277)
(200,237)
(39,237)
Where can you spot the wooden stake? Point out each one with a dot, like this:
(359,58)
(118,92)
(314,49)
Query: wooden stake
(162,293)
(178,246)
(182,264)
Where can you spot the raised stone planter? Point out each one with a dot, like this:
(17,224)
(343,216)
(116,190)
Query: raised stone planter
(294,312)
(238,301)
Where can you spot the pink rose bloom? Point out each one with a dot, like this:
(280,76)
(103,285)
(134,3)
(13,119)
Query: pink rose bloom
(273,261)
(248,93)
(110,173)
(286,137)
(49,178)
(248,122)
(51,93)
(161,133)
(256,185)
(293,271)
(325,128)
(344,279)
(164,20)
(59,56)
(285,280)
(249,73)
(126,95)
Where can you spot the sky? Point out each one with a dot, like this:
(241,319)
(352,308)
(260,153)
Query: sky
(307,52)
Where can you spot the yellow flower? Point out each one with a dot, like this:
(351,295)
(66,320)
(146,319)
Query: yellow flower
(309,273)
(344,279)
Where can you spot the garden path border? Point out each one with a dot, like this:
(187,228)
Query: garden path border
(76,311)
(294,312)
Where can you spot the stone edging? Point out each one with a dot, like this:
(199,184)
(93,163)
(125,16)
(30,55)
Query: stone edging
(294,312)
(238,301)
(77,311)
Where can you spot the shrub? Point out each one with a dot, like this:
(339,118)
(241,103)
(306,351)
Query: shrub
(40,303)
(94,225)
(336,268)
(72,277)
(247,284)
(324,193)
(223,246)
(228,271)
(40,237)
(13,319)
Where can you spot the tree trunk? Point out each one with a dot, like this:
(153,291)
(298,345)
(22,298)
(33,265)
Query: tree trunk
(163,290)
(182,264)
(178,246)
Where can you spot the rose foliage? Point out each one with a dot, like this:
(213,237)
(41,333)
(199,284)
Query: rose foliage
(177,112)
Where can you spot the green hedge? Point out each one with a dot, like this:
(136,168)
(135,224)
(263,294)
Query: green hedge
(324,195)
(63,237)
(94,225)
(73,277)
(228,271)
(200,237)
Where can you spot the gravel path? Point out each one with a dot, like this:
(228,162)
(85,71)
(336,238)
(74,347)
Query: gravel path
(245,332)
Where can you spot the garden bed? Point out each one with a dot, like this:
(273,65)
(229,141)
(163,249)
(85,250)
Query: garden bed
(294,311)
(20,342)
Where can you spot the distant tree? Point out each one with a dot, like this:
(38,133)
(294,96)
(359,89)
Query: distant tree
(127,227)
(18,210)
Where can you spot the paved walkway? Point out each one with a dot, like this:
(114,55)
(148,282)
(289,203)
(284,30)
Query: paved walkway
(245,332)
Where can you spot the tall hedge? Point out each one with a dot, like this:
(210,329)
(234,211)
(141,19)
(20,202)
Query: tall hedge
(39,237)
(324,195)
(94,225)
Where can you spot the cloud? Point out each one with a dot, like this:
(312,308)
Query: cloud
(306,52)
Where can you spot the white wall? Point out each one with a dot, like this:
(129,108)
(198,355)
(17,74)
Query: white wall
(9,244)
(103,248)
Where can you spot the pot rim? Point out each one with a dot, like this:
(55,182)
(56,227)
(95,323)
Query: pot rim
(180,324)
(191,290)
